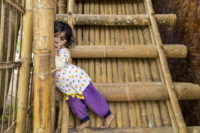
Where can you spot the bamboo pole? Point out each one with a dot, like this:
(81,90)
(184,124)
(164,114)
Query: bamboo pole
(25,69)
(105,70)
(1,49)
(133,91)
(43,42)
(126,75)
(135,51)
(132,105)
(111,64)
(65,117)
(165,69)
(99,120)
(78,8)
(116,20)
(65,120)
(91,62)
(141,117)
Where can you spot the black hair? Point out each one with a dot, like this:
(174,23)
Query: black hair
(60,27)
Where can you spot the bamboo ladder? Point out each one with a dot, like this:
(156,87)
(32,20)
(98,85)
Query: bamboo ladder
(123,20)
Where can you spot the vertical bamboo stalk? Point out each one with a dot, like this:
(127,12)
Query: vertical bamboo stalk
(1,49)
(25,69)
(112,64)
(65,117)
(43,23)
(78,9)
(131,105)
(62,6)
(138,65)
(97,61)
(91,61)
(165,69)
(120,73)
(110,68)
(126,74)
(30,105)
(143,35)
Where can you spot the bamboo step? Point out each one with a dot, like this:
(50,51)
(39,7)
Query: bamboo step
(116,20)
(134,130)
(127,51)
(143,91)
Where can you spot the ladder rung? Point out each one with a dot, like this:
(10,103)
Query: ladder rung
(140,91)
(123,20)
(133,51)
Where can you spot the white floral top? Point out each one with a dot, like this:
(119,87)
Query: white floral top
(70,79)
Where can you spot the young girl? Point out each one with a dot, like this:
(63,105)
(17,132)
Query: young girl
(75,82)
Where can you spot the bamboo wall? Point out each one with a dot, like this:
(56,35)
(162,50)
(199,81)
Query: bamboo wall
(127,114)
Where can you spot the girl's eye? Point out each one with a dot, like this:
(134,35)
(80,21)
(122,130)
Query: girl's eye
(62,38)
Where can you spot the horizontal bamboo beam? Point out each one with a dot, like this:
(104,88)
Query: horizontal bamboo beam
(16,5)
(113,20)
(135,130)
(8,65)
(136,51)
(144,91)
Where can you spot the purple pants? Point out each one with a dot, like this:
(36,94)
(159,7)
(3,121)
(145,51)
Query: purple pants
(93,100)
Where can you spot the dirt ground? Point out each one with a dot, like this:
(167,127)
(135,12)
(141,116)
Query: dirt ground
(186,31)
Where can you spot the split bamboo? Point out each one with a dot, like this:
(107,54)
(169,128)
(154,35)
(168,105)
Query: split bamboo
(65,117)
(165,69)
(111,64)
(25,69)
(91,62)
(120,20)
(43,42)
(99,120)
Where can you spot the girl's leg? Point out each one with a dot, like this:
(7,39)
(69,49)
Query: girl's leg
(78,108)
(96,102)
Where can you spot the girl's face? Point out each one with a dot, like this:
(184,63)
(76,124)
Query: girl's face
(59,40)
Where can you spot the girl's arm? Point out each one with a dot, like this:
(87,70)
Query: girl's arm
(64,53)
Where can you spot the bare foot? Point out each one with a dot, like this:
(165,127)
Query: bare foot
(108,121)
(83,125)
